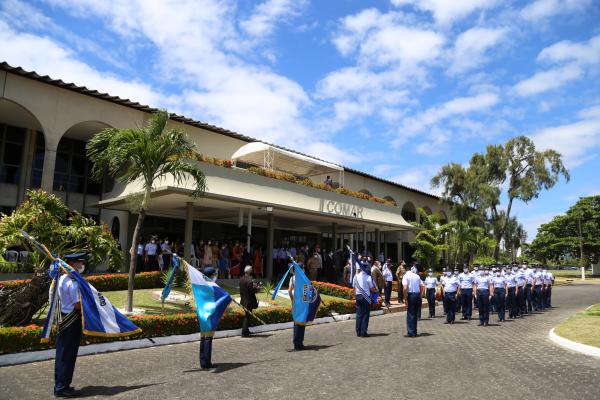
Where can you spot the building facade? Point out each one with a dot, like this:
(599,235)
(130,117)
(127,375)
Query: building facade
(45,123)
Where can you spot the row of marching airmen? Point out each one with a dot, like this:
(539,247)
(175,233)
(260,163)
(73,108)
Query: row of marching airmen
(76,307)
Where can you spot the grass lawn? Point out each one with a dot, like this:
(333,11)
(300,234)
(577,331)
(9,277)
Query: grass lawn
(144,299)
(583,327)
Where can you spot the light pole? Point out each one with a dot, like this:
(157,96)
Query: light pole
(581,260)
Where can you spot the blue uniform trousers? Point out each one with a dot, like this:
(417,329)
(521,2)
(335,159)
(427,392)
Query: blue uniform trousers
(67,344)
(419,307)
(519,301)
(299,336)
(206,350)
(528,298)
(387,291)
(451,302)
(414,303)
(539,304)
(363,309)
(483,305)
(431,302)
(512,302)
(499,296)
(549,296)
(466,296)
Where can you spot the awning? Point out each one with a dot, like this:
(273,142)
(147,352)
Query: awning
(271,157)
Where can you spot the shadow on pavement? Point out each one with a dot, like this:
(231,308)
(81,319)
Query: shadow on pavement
(425,334)
(258,335)
(319,347)
(219,368)
(89,391)
(378,334)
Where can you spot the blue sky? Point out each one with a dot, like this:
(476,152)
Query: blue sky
(396,88)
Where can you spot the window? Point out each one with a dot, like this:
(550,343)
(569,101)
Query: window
(38,161)
(72,169)
(12,140)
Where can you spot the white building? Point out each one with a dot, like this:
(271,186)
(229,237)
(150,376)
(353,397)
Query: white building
(44,124)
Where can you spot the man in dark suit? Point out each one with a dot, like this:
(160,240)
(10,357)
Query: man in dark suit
(248,289)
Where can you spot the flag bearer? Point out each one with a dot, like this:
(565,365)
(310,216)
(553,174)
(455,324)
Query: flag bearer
(69,328)
(431,283)
(206,338)
(363,287)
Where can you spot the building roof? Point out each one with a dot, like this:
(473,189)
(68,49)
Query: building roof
(4,66)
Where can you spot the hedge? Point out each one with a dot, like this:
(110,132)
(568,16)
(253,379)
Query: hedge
(109,282)
(334,290)
(27,338)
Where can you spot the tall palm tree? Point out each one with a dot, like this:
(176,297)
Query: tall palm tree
(147,155)
(464,236)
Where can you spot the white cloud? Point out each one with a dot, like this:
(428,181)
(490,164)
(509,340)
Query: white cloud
(567,51)
(48,57)
(200,47)
(570,62)
(548,80)
(418,178)
(265,16)
(578,142)
(391,54)
(541,10)
(446,12)
(471,46)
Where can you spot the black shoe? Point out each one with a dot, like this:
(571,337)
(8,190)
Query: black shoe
(451,322)
(365,335)
(68,393)
(446,322)
(299,348)
(480,324)
(410,336)
(486,324)
(463,318)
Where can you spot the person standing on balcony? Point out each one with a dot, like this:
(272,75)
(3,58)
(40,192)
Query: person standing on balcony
(328,182)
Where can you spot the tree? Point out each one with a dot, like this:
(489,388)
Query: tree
(145,155)
(49,220)
(516,166)
(562,237)
(465,240)
(428,242)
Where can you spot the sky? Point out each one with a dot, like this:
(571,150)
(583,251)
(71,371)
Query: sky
(395,88)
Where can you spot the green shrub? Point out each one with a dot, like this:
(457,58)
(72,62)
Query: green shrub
(334,290)
(110,282)
(18,339)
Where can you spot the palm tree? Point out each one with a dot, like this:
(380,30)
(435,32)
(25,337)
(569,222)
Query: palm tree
(146,155)
(429,242)
(465,238)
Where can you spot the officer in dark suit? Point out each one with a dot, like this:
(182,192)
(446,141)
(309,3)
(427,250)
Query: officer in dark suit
(248,289)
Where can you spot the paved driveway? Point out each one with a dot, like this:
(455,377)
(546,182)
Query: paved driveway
(514,360)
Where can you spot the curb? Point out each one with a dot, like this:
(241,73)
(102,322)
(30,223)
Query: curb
(42,355)
(574,346)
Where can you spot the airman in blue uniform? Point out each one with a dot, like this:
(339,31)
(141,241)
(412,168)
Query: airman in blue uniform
(451,290)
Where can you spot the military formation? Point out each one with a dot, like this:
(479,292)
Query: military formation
(514,289)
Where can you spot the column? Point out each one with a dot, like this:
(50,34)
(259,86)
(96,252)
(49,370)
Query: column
(26,164)
(241,218)
(189,223)
(365,238)
(377,243)
(269,249)
(48,171)
(334,236)
(249,229)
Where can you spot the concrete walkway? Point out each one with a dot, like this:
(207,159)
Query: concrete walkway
(513,360)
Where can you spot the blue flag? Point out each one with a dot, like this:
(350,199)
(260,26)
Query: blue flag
(306,297)
(167,289)
(211,300)
(100,317)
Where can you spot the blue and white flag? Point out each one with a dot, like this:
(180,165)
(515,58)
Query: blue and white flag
(355,265)
(167,289)
(211,300)
(53,300)
(306,297)
(100,317)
